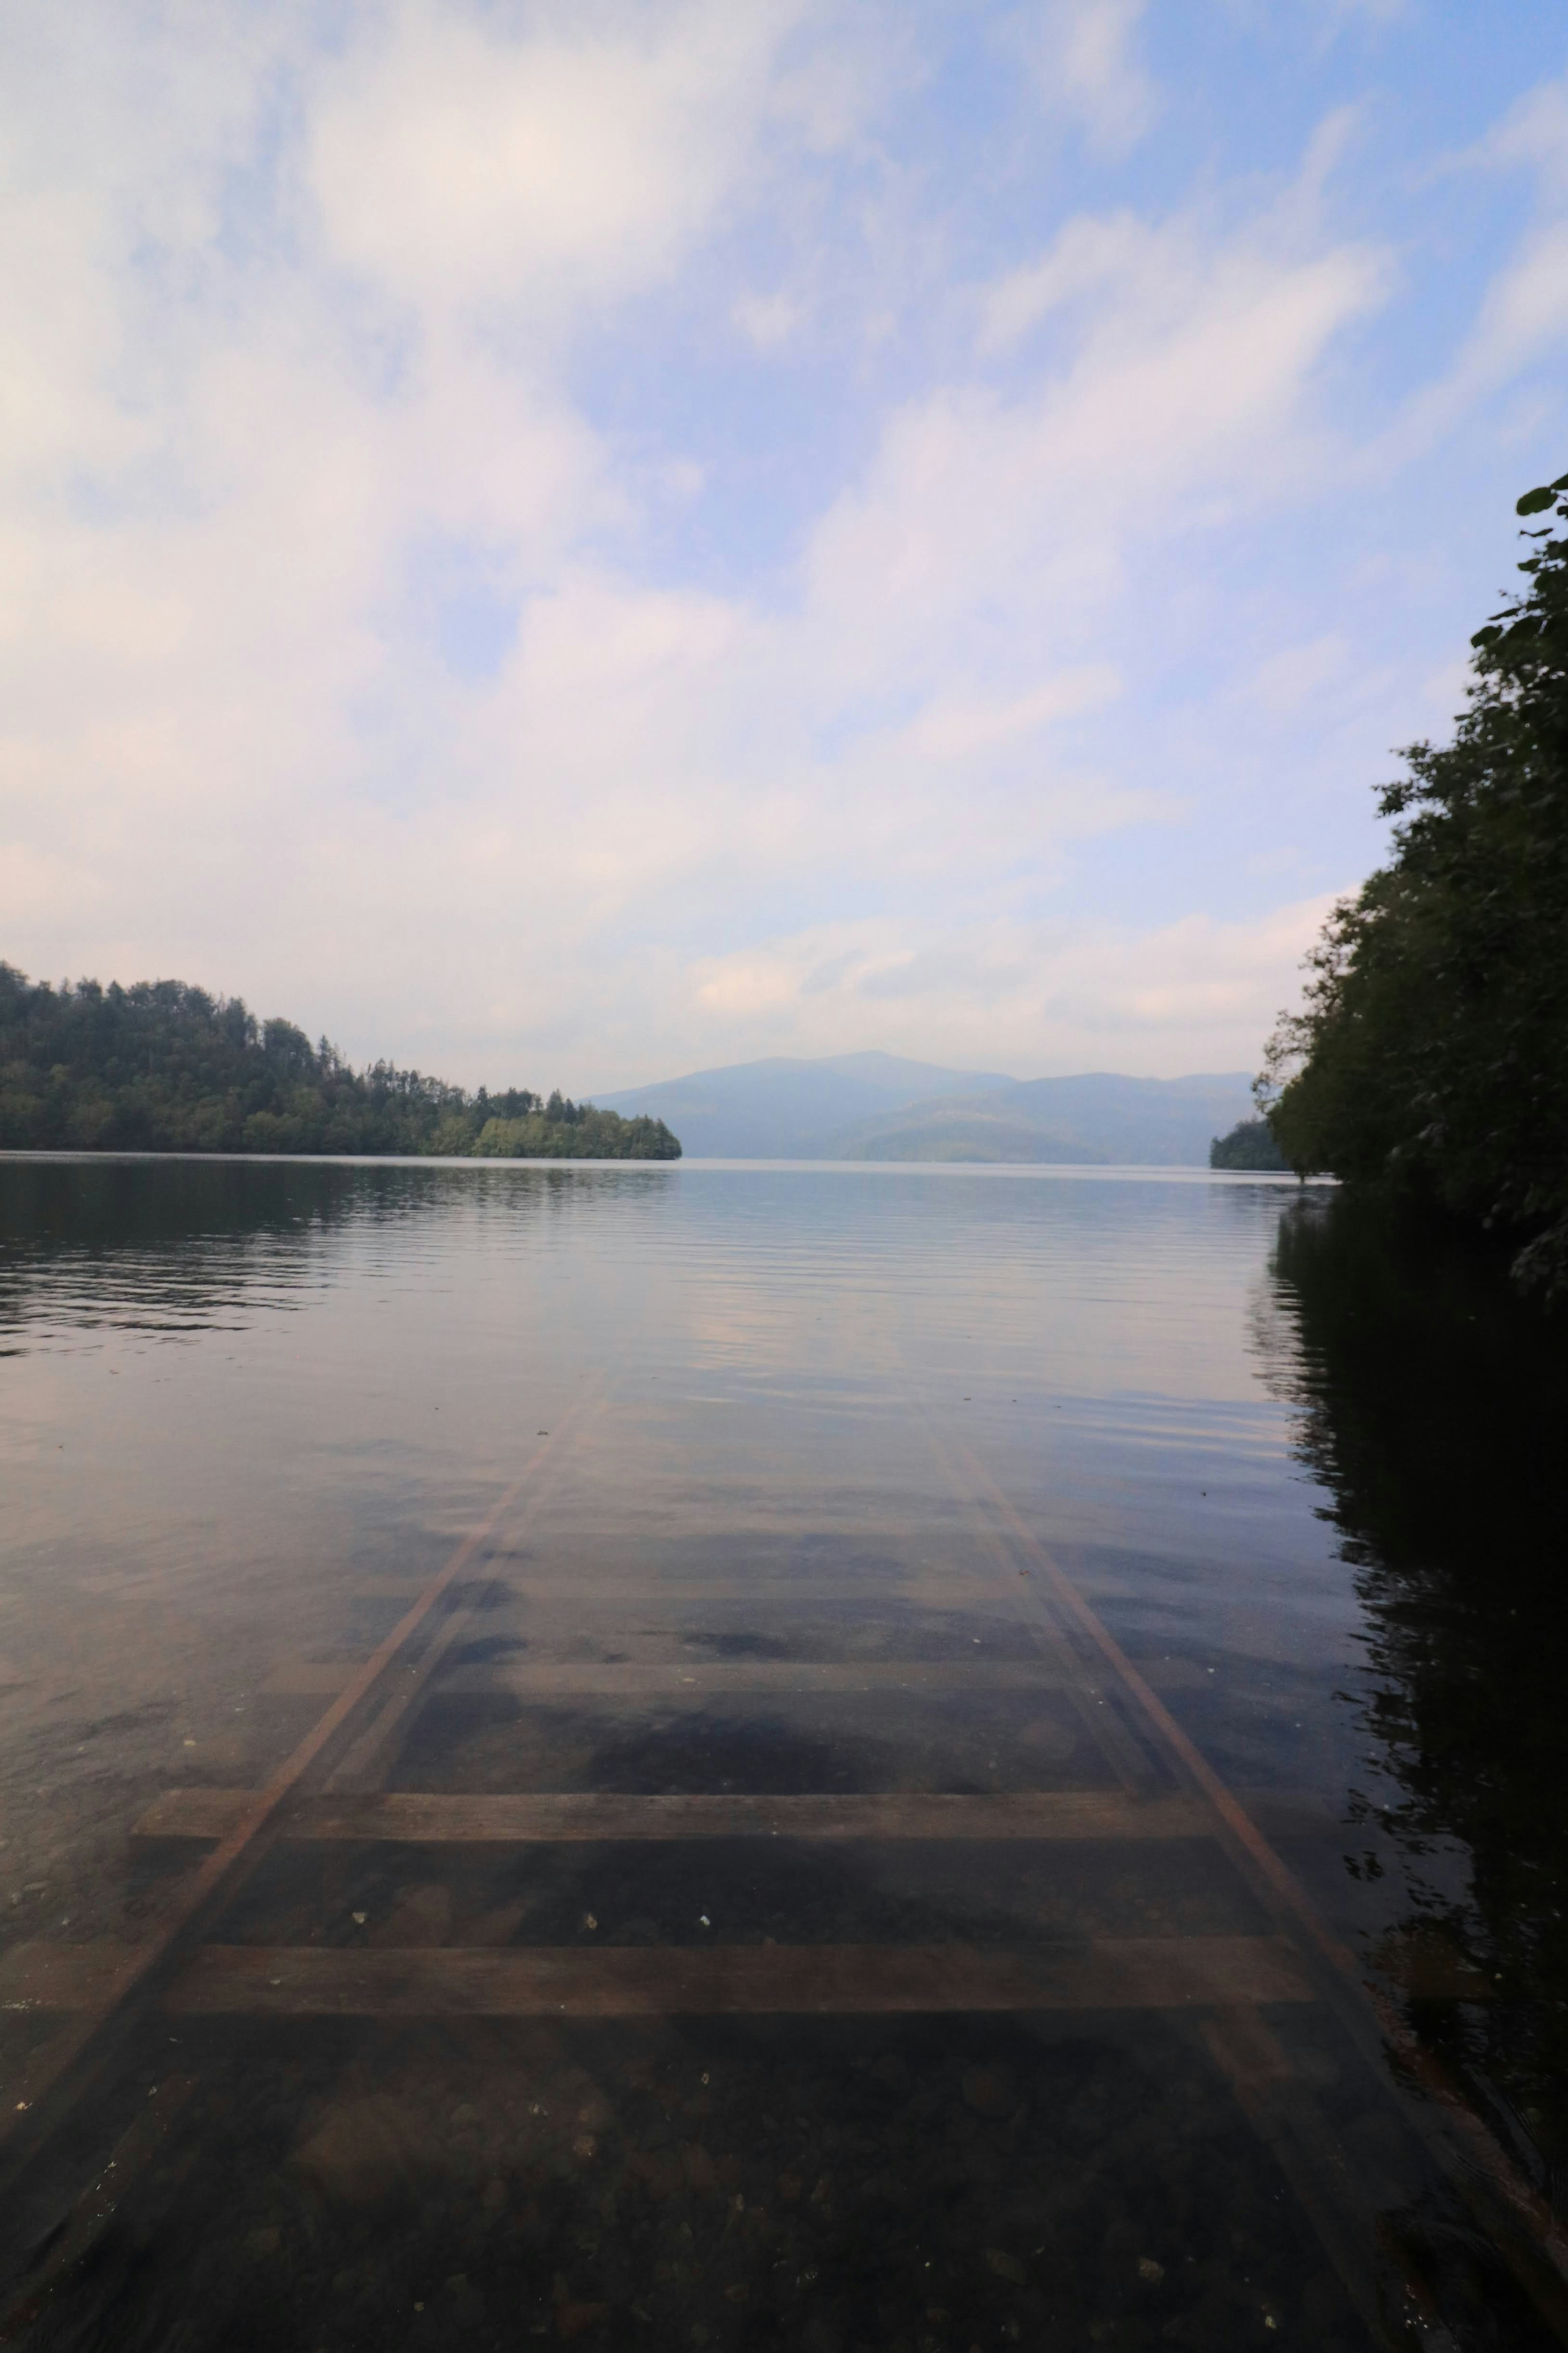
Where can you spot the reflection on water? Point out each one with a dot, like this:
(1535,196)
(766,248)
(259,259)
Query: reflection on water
(1435,1409)
(750,1902)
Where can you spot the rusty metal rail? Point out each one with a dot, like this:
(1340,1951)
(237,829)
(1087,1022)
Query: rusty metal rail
(1530,2236)
(64,2068)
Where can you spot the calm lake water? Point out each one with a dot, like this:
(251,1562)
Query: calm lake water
(945,1686)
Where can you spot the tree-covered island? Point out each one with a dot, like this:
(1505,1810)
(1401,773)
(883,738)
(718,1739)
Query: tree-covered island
(1249,1145)
(1430,1061)
(162,1067)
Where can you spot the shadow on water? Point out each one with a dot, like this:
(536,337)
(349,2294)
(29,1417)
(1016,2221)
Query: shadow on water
(1434,1407)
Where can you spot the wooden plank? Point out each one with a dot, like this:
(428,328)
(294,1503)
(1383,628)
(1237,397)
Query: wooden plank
(578,1590)
(677,1680)
(1131,1974)
(302,1982)
(415,1817)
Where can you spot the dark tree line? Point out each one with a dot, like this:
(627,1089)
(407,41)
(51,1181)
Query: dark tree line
(162,1067)
(1430,1061)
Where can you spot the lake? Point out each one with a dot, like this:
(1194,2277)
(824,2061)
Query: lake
(718,1757)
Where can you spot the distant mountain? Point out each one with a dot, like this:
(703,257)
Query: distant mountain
(882,1107)
(783,1109)
(1095,1120)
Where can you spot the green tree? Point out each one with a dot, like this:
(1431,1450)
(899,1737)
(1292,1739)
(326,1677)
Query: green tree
(1430,1059)
(1249,1145)
(162,1067)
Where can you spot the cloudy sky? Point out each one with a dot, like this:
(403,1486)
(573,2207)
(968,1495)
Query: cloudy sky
(569,542)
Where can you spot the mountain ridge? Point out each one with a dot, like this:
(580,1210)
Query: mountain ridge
(881,1106)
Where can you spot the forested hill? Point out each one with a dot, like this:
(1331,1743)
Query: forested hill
(161,1067)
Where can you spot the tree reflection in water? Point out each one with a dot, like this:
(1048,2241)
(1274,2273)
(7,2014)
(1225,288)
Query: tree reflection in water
(1434,1407)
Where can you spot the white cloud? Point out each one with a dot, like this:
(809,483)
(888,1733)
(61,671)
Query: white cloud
(1523,314)
(456,161)
(1188,380)
(954,731)
(1088,255)
(1082,55)
(768,319)
(1533,135)
(1197,994)
(1287,680)
(1523,317)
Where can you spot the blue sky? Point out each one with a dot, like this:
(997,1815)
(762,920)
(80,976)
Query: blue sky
(569,542)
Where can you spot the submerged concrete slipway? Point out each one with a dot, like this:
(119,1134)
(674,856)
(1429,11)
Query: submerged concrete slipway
(719,1757)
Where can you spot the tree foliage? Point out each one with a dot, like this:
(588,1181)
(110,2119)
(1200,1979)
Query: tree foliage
(1249,1145)
(1430,1059)
(161,1067)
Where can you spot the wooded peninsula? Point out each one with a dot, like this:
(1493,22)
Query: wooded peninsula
(1429,1063)
(164,1067)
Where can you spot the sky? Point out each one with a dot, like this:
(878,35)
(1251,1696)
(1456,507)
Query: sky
(567,543)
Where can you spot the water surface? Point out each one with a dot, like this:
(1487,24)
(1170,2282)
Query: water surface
(786,1462)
